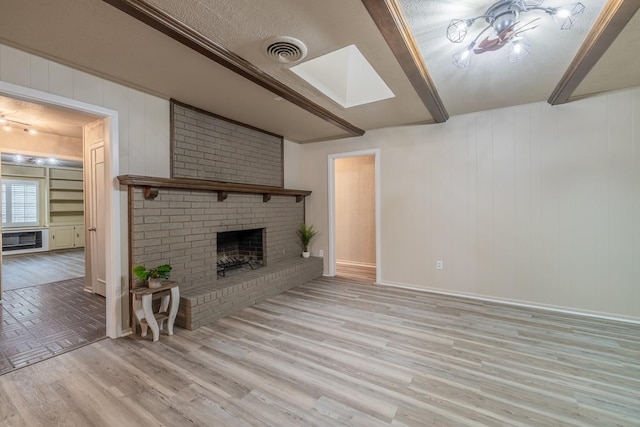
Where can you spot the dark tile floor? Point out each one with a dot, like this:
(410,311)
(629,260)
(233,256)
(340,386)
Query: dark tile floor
(38,322)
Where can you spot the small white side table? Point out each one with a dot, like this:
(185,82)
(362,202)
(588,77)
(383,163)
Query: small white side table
(169,295)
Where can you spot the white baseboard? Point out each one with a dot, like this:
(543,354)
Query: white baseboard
(517,303)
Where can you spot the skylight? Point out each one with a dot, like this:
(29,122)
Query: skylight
(344,76)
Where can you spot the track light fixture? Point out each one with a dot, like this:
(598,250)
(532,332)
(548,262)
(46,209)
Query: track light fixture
(502,17)
(8,125)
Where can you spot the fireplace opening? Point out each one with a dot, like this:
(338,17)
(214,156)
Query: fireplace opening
(239,251)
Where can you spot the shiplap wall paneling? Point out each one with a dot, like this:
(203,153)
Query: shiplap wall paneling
(621,213)
(143,119)
(534,203)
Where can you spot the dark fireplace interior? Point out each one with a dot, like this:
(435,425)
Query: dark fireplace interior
(240,250)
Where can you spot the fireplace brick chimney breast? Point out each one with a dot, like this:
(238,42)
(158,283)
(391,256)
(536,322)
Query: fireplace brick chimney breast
(209,147)
(180,226)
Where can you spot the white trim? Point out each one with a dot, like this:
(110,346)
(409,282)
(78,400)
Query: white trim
(517,303)
(332,208)
(113,267)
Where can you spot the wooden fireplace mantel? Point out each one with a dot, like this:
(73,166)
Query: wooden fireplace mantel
(152,185)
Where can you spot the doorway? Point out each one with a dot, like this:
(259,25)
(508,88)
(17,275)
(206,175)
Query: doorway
(45,309)
(111,200)
(42,209)
(354,236)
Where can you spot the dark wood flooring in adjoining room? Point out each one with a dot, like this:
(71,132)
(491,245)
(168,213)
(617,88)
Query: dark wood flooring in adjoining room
(336,353)
(39,322)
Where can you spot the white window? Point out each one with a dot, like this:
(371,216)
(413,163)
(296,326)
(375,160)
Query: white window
(20,203)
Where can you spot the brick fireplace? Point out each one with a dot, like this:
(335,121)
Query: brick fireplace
(226,179)
(181,228)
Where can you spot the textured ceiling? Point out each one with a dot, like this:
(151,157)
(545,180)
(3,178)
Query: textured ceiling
(96,37)
(619,67)
(324,26)
(491,80)
(45,119)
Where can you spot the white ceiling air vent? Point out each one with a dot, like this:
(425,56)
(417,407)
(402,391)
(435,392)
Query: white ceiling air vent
(285,50)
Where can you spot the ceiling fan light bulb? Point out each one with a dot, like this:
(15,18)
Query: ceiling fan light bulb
(462,58)
(520,50)
(566,16)
(457,30)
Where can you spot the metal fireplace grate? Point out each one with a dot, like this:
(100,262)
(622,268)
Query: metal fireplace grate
(232,263)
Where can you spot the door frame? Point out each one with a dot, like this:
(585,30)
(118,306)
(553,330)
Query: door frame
(332,207)
(112,232)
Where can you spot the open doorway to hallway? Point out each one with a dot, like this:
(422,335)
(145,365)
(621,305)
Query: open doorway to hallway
(45,309)
(355,239)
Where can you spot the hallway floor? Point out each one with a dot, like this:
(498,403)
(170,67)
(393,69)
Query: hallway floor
(39,322)
(365,274)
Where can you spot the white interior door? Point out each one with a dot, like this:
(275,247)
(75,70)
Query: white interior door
(96,209)
(0,249)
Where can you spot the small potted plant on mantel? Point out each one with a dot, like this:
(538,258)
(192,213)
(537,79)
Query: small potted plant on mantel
(153,276)
(306,233)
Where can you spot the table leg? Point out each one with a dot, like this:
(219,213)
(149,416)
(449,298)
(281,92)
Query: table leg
(164,307)
(137,309)
(148,314)
(173,309)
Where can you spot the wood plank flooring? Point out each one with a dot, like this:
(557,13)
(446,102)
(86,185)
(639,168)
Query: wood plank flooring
(24,270)
(336,353)
(356,273)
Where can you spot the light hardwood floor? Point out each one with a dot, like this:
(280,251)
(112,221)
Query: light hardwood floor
(335,353)
(24,270)
(356,273)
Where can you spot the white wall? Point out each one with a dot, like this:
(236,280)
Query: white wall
(292,171)
(143,119)
(533,203)
(42,144)
(143,132)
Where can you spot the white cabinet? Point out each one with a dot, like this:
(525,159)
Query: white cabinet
(66,237)
(66,208)
(78,239)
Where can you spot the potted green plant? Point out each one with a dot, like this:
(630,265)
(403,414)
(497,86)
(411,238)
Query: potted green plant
(153,276)
(306,233)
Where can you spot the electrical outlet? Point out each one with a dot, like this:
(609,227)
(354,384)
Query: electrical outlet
(439,265)
(321,253)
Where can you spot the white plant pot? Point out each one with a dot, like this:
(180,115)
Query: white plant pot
(155,283)
(306,254)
